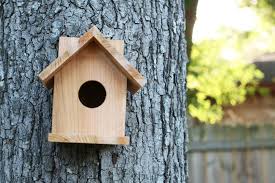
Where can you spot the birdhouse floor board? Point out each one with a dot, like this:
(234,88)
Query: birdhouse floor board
(87,139)
(90,79)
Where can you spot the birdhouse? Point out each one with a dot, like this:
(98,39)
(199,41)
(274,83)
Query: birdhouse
(90,79)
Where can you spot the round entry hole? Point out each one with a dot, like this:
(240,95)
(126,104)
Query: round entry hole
(92,94)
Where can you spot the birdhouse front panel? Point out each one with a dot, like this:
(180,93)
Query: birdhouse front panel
(90,79)
(89,94)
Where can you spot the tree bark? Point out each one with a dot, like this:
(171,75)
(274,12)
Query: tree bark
(156,117)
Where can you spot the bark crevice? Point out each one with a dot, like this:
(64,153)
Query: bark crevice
(156,119)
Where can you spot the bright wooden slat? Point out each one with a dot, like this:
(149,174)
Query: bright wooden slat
(135,79)
(87,139)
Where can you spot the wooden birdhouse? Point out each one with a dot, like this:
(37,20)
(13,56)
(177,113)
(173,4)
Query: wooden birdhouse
(90,79)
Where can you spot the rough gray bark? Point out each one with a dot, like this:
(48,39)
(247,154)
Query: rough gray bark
(154,35)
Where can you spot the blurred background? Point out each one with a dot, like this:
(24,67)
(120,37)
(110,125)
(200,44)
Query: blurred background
(231,90)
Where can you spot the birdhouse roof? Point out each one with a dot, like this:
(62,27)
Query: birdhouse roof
(134,79)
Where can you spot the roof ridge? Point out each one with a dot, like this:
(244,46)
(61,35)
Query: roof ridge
(135,79)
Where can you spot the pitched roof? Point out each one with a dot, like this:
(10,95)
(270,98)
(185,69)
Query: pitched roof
(135,79)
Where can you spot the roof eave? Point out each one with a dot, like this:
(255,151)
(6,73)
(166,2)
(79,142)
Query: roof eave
(47,75)
(135,79)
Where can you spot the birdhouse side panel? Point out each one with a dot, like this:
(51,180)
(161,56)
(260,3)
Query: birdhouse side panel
(70,116)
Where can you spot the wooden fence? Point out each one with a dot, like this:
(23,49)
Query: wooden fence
(239,154)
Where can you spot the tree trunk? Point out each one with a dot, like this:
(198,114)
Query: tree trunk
(190,16)
(156,116)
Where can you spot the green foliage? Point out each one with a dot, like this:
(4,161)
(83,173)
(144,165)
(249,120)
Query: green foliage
(265,8)
(214,82)
(262,37)
(218,75)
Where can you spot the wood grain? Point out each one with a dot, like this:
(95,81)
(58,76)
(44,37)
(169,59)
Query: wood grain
(87,139)
(48,73)
(70,116)
(135,79)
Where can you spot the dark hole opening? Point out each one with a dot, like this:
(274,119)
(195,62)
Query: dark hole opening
(92,94)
